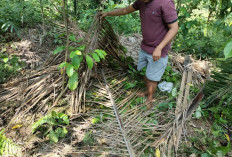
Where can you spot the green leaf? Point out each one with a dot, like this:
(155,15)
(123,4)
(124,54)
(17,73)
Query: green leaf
(89,61)
(74,53)
(228,50)
(95,57)
(5,59)
(61,132)
(73,81)
(64,118)
(64,64)
(96,120)
(58,49)
(53,137)
(101,53)
(76,61)
(53,114)
(72,38)
(69,70)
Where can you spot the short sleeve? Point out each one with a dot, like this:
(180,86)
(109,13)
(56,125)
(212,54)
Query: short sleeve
(136,5)
(169,12)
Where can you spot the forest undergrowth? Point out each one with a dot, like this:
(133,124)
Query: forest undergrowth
(31,32)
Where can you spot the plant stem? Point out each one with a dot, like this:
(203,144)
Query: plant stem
(67,40)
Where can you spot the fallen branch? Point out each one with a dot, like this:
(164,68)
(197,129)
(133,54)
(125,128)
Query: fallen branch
(124,134)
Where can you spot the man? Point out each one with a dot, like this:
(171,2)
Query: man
(159,26)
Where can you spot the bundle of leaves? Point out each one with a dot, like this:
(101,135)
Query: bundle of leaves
(52,126)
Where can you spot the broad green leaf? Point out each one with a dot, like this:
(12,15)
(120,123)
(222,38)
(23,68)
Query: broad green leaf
(96,120)
(73,81)
(61,132)
(58,49)
(69,70)
(53,137)
(228,50)
(73,53)
(5,59)
(64,118)
(72,38)
(100,55)
(89,61)
(95,57)
(101,51)
(62,65)
(76,61)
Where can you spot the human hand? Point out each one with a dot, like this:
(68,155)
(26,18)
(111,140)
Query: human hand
(156,54)
(102,14)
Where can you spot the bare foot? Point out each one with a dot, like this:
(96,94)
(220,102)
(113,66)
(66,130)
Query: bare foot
(149,103)
(149,106)
(141,94)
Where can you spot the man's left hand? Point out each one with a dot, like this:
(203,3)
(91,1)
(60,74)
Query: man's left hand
(156,54)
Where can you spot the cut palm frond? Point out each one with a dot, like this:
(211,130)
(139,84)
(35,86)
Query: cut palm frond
(221,85)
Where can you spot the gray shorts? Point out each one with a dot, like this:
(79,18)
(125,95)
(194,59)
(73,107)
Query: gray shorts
(155,70)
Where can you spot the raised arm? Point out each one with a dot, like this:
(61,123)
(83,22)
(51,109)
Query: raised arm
(118,12)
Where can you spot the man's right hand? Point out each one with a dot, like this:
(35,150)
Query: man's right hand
(102,14)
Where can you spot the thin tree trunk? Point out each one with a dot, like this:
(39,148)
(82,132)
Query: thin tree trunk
(67,40)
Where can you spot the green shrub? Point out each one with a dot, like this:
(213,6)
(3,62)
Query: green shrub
(126,24)
(16,14)
(9,67)
(52,126)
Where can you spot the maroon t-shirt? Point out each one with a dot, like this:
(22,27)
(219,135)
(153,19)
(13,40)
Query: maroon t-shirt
(155,17)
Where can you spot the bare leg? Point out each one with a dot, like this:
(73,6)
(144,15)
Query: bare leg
(151,88)
(145,93)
